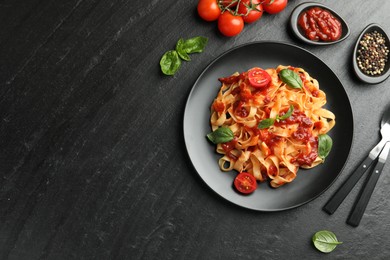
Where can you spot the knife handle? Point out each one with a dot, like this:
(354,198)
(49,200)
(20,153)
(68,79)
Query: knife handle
(365,195)
(339,196)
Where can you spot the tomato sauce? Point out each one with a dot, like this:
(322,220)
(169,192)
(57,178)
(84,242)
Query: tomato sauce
(320,25)
(229,147)
(218,106)
(272,170)
(239,109)
(303,134)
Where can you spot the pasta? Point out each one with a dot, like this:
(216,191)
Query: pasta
(296,117)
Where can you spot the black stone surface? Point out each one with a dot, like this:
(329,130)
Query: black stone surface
(92,158)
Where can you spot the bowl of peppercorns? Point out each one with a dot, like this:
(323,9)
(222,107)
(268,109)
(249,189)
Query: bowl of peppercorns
(371,55)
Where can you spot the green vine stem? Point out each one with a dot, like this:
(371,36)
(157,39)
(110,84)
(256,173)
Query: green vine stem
(236,4)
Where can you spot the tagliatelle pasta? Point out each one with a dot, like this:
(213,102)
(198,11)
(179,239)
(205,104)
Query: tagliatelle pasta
(276,127)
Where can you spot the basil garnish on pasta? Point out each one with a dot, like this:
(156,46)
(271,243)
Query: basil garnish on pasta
(287,114)
(291,78)
(324,145)
(270,121)
(266,123)
(221,135)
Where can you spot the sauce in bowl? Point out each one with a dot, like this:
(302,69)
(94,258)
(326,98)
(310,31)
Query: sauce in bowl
(320,25)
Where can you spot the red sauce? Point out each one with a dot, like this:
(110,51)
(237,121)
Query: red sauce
(307,159)
(218,106)
(267,99)
(303,134)
(233,79)
(272,170)
(228,147)
(239,109)
(315,93)
(320,25)
(318,125)
(296,117)
(245,93)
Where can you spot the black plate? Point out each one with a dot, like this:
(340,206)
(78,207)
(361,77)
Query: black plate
(301,35)
(309,183)
(363,77)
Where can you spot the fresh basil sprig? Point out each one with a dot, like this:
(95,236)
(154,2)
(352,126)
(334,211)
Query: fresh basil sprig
(180,50)
(170,63)
(192,45)
(325,241)
(291,78)
(270,121)
(325,143)
(221,135)
(171,60)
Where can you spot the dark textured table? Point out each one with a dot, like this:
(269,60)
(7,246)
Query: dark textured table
(93,163)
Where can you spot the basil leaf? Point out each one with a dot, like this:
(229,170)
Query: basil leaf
(180,50)
(196,44)
(291,78)
(266,123)
(324,145)
(221,135)
(170,63)
(325,241)
(287,115)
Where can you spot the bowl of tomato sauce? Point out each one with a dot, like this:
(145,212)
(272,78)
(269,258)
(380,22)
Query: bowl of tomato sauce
(317,24)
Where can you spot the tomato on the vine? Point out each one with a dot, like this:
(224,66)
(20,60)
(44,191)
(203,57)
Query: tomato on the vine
(274,6)
(208,10)
(251,10)
(245,183)
(229,24)
(259,78)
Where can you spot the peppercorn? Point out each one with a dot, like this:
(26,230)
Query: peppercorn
(372,53)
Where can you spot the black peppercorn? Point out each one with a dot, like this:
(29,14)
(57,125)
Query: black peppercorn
(372,53)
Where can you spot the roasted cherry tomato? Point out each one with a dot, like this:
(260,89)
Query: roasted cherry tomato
(274,7)
(258,78)
(251,10)
(245,183)
(209,10)
(229,24)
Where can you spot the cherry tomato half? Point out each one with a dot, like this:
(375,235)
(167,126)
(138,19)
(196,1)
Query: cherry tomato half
(208,10)
(259,78)
(229,24)
(251,11)
(274,7)
(245,183)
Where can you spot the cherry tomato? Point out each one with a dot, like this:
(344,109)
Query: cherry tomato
(251,10)
(274,7)
(209,10)
(245,183)
(258,78)
(229,24)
